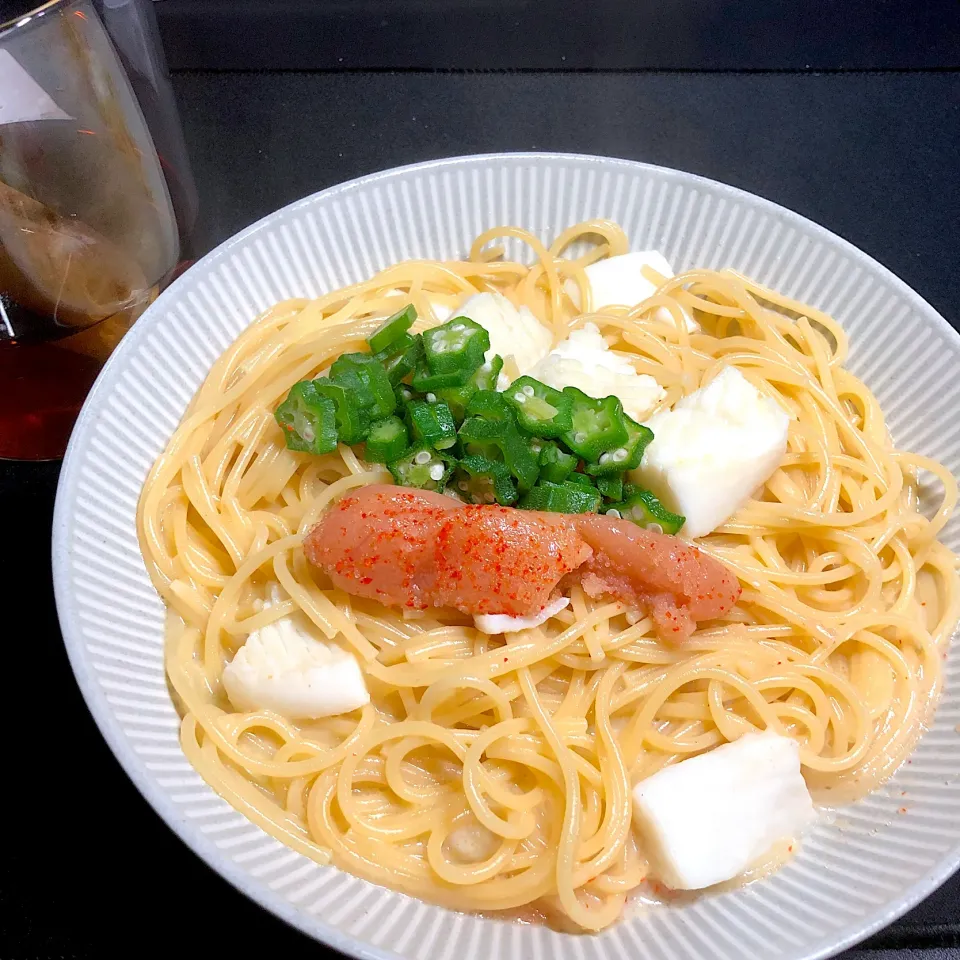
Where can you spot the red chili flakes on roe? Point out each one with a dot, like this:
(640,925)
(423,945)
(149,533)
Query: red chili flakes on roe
(418,549)
(515,560)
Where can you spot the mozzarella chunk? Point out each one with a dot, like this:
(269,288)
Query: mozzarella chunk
(513,332)
(619,281)
(585,361)
(494,623)
(281,667)
(709,818)
(442,311)
(713,450)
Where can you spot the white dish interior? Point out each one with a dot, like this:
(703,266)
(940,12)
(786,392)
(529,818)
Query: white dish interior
(859,869)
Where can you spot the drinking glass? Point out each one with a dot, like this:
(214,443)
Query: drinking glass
(88,230)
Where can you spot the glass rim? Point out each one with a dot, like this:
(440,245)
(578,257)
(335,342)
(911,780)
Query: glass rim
(24,20)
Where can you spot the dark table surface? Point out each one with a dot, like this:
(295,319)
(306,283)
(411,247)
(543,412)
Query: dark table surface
(602,34)
(87,869)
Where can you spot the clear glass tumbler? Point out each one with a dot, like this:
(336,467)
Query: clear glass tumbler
(88,231)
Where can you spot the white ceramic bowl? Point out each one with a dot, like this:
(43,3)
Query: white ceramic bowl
(857,872)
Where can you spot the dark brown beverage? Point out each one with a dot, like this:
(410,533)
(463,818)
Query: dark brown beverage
(67,296)
(43,383)
(88,233)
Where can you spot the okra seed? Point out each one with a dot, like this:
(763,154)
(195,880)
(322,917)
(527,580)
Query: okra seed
(614,513)
(520,398)
(620,455)
(463,485)
(654,528)
(580,437)
(528,390)
(422,457)
(431,398)
(605,458)
(436,471)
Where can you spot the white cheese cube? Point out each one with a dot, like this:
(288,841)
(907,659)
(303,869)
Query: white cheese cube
(494,623)
(442,311)
(585,361)
(513,332)
(713,450)
(281,667)
(619,281)
(709,818)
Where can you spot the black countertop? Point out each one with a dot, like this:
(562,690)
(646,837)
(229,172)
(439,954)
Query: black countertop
(88,870)
(561,35)
(874,157)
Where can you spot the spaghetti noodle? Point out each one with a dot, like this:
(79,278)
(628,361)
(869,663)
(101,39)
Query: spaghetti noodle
(486,787)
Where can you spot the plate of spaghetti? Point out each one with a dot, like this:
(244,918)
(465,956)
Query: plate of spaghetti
(532,555)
